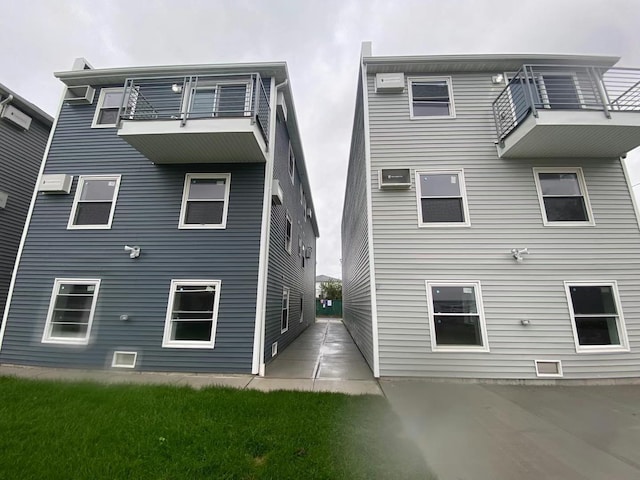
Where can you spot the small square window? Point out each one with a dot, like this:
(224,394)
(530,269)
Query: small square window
(205,200)
(456,317)
(94,202)
(431,97)
(71,311)
(563,197)
(109,102)
(192,314)
(284,319)
(442,199)
(596,316)
(288,233)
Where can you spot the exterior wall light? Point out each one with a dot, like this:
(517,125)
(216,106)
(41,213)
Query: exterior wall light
(176,88)
(499,78)
(518,252)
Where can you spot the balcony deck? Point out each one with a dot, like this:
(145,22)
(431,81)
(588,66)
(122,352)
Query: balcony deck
(568,111)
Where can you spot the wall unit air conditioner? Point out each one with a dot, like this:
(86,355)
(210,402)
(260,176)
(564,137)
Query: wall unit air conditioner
(309,213)
(58,183)
(81,94)
(307,252)
(276,193)
(395,178)
(281,108)
(3,199)
(12,115)
(389,82)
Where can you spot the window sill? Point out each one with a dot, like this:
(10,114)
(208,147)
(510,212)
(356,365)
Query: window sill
(192,345)
(603,349)
(104,126)
(434,117)
(568,224)
(89,227)
(460,349)
(444,225)
(65,341)
(202,227)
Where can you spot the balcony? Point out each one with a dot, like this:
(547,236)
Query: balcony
(568,111)
(197,119)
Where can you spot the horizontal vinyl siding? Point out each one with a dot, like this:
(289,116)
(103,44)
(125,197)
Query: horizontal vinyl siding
(21,154)
(286,270)
(505,214)
(356,278)
(146,214)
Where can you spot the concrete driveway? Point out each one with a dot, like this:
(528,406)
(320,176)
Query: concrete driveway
(495,432)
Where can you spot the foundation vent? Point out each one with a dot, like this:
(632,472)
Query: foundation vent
(124,359)
(548,368)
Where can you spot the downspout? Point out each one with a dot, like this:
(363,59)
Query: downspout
(258,367)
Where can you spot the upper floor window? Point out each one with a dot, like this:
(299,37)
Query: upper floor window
(596,316)
(442,199)
(562,193)
(205,200)
(107,109)
(431,97)
(292,164)
(288,232)
(284,318)
(94,203)
(71,311)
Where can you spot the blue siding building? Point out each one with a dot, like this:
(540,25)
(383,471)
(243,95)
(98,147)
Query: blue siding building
(24,130)
(157,239)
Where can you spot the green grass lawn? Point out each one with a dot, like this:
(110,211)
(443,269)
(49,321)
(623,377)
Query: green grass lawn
(54,430)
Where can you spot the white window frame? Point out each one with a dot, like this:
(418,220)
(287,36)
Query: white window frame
(213,85)
(166,338)
(301,307)
(583,189)
(114,364)
(622,329)
(549,375)
(48,327)
(452,110)
(185,198)
(463,194)
(483,326)
(76,200)
(285,291)
(291,165)
(103,93)
(288,242)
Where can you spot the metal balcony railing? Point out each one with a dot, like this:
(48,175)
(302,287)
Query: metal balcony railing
(564,87)
(196,97)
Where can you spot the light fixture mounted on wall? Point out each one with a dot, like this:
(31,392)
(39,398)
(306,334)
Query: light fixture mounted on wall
(518,252)
(175,88)
(498,78)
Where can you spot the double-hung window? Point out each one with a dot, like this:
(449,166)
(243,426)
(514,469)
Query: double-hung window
(288,232)
(109,102)
(292,164)
(442,199)
(192,314)
(431,97)
(456,317)
(94,202)
(284,319)
(562,193)
(71,311)
(205,200)
(596,316)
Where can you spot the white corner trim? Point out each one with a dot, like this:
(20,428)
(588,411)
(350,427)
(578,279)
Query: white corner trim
(372,268)
(634,201)
(27,222)
(257,364)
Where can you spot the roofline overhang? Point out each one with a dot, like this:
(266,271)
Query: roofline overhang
(26,106)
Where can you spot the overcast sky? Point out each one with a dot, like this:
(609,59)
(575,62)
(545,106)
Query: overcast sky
(320,41)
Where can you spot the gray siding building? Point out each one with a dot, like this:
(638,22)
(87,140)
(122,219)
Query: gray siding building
(489,229)
(24,130)
(158,236)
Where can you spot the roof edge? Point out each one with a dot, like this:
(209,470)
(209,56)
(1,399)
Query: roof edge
(27,106)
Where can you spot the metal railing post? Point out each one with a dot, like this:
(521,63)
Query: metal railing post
(532,103)
(256,99)
(186,98)
(127,86)
(601,91)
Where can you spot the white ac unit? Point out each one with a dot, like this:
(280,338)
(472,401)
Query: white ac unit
(281,108)
(81,94)
(309,213)
(395,178)
(56,183)
(276,192)
(15,116)
(307,252)
(3,199)
(389,82)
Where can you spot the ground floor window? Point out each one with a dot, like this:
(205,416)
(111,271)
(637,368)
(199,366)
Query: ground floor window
(192,314)
(596,316)
(71,311)
(284,319)
(456,316)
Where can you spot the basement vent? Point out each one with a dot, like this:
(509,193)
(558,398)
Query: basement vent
(274,349)
(124,359)
(548,368)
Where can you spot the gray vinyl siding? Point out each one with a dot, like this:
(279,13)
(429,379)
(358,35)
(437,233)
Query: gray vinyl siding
(505,214)
(286,270)
(20,159)
(146,214)
(356,278)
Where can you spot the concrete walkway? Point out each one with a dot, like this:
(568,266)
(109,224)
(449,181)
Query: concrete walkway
(498,432)
(324,358)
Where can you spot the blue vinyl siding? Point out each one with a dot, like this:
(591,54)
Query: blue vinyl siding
(20,158)
(286,270)
(146,214)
